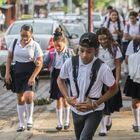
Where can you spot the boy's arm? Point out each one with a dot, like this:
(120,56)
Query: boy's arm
(64,90)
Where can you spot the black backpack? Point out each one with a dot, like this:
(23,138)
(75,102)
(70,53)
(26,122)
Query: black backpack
(95,68)
(136,44)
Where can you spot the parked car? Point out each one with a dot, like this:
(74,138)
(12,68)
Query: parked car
(96,20)
(74,31)
(42,32)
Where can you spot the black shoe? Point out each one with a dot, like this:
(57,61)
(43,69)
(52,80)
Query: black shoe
(108,127)
(29,126)
(20,129)
(66,127)
(136,128)
(102,134)
(59,128)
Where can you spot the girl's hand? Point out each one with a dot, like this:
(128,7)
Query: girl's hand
(31,81)
(8,78)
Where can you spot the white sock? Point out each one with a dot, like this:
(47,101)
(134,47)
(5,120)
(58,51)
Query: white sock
(103,125)
(136,116)
(21,114)
(59,113)
(66,116)
(108,119)
(29,109)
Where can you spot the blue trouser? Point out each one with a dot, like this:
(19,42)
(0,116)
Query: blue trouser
(85,125)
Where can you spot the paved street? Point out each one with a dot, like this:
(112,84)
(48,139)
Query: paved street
(45,120)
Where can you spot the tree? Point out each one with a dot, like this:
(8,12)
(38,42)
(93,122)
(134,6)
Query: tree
(2,1)
(98,4)
(137,2)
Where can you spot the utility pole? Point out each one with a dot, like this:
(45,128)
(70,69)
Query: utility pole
(90,26)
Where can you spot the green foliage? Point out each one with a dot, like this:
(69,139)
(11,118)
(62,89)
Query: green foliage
(2,2)
(78,3)
(99,4)
(137,2)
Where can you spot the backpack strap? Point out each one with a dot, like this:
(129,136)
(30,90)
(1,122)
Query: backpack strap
(14,44)
(94,71)
(136,43)
(128,27)
(75,65)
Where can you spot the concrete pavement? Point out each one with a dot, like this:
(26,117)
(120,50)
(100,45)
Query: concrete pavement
(45,123)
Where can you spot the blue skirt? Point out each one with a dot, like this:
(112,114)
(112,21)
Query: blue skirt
(132,89)
(23,72)
(54,89)
(114,103)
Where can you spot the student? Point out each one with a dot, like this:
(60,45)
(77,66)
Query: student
(28,63)
(115,26)
(132,85)
(131,32)
(110,53)
(55,59)
(86,105)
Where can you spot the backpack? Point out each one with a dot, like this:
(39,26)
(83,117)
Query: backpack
(136,44)
(95,68)
(49,60)
(128,28)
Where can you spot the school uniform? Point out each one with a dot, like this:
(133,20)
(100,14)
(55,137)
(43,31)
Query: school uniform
(56,64)
(81,119)
(83,81)
(112,27)
(24,58)
(115,103)
(131,88)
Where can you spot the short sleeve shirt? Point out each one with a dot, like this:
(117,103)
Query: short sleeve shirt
(104,76)
(130,48)
(133,29)
(113,26)
(28,53)
(106,57)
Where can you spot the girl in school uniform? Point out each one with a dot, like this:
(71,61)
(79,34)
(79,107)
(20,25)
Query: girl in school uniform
(55,59)
(132,88)
(110,53)
(28,63)
(115,26)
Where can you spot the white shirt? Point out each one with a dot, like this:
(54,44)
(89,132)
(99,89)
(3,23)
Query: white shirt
(28,53)
(133,29)
(114,26)
(104,76)
(59,59)
(106,57)
(130,48)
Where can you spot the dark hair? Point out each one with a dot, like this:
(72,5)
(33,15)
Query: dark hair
(112,44)
(109,7)
(133,13)
(58,34)
(118,19)
(27,27)
(89,40)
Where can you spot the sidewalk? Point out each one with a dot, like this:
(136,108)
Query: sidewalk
(45,123)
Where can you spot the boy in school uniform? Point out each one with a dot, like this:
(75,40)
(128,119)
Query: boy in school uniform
(84,96)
